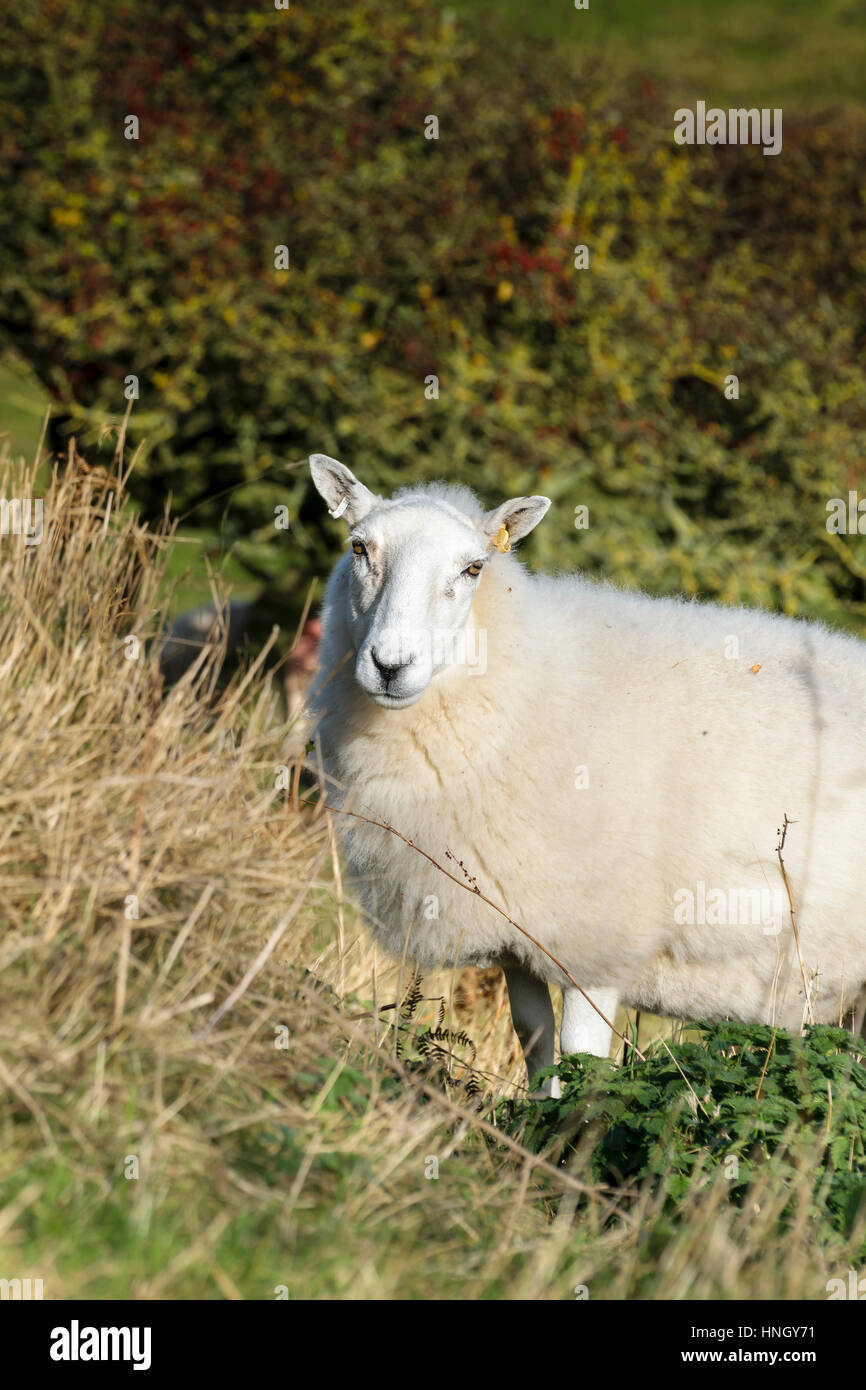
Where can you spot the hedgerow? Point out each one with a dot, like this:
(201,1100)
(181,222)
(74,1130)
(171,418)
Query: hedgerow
(453,258)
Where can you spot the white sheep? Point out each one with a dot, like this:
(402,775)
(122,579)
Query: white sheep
(611,768)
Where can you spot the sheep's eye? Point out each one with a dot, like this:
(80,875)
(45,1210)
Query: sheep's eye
(358,548)
(475,568)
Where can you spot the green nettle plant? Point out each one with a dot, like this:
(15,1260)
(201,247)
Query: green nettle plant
(731,1100)
(548,296)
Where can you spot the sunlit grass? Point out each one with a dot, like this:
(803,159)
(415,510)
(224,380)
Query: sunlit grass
(789,53)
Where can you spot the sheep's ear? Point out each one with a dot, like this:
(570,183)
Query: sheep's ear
(512,521)
(339,487)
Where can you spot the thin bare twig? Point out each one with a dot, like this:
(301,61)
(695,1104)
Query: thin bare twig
(787,882)
(766,1064)
(341,930)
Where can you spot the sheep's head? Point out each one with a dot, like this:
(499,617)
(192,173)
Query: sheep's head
(415,564)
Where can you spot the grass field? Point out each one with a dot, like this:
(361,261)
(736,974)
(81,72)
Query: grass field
(789,53)
(22,408)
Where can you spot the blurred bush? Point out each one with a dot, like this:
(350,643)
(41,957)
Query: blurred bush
(451,257)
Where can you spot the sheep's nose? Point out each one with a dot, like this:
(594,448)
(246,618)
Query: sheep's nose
(388,670)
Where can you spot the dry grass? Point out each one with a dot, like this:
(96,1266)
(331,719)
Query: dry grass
(200,1094)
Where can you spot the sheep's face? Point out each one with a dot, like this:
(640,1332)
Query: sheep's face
(414,573)
(414,566)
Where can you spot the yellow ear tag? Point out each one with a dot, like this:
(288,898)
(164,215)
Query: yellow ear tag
(502,542)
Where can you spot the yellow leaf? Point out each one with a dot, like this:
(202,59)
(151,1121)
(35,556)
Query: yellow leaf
(66,217)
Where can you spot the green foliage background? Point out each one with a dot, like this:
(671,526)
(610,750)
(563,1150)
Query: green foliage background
(452,257)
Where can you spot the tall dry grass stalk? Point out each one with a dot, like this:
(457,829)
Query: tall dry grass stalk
(162,905)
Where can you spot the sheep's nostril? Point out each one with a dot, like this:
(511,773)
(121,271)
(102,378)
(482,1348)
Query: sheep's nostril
(387,670)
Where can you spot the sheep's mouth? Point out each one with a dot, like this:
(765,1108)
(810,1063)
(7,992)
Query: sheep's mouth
(386,701)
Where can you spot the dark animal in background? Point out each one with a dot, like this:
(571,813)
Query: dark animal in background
(194,629)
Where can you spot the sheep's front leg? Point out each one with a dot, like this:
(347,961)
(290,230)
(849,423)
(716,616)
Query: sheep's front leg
(532,1016)
(582,1030)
